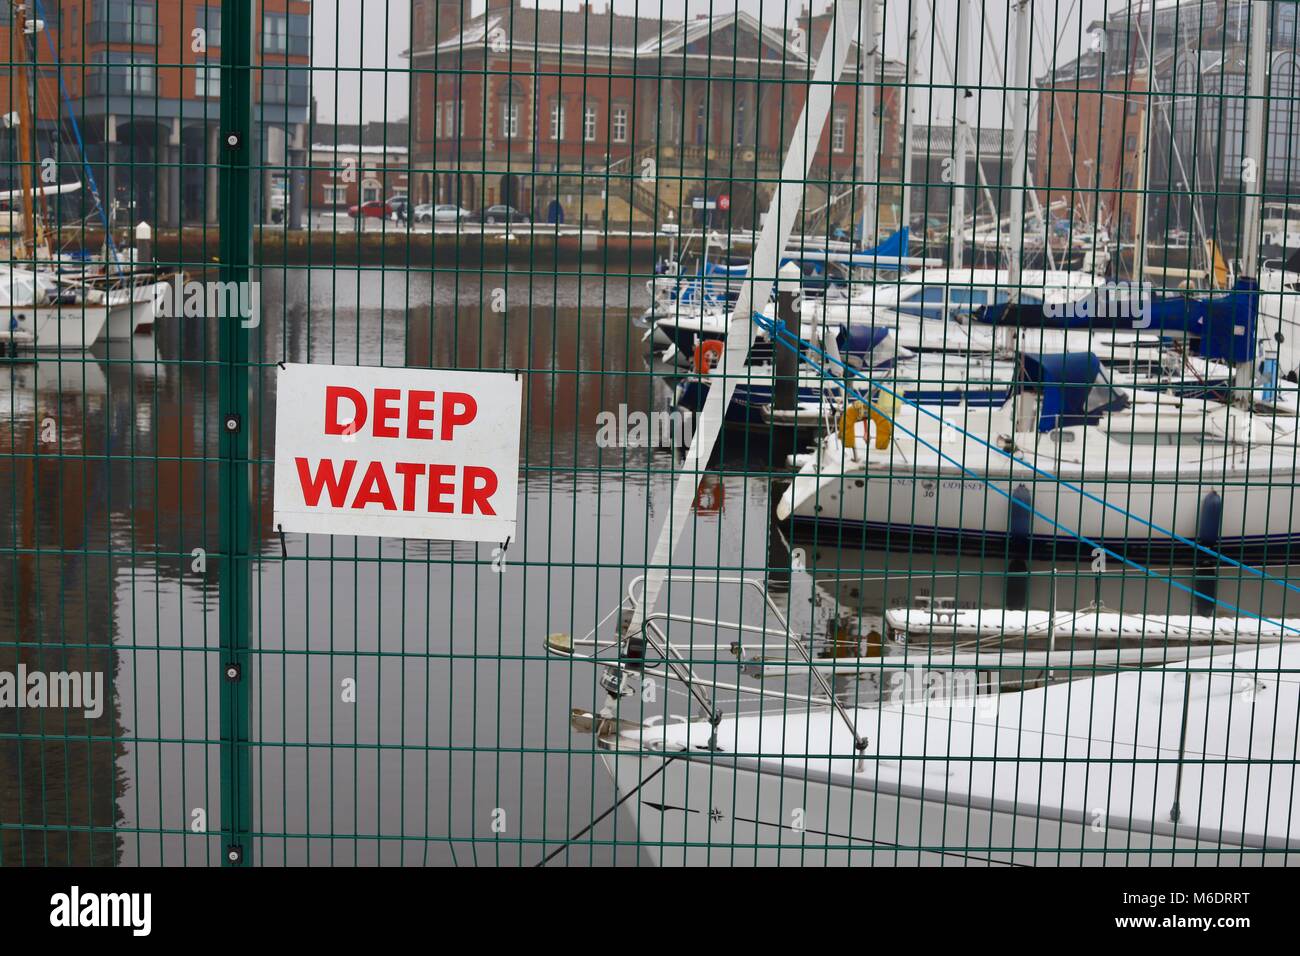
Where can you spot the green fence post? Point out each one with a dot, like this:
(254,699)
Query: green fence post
(236,247)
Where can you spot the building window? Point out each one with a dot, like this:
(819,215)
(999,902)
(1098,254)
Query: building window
(437,119)
(557,121)
(288,86)
(509,102)
(209,18)
(701,129)
(740,131)
(839,131)
(589,124)
(207,80)
(335,195)
(125,21)
(288,33)
(449,118)
(620,124)
(122,74)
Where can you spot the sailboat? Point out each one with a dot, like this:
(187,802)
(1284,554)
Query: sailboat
(113,306)
(1171,766)
(37,315)
(1071,461)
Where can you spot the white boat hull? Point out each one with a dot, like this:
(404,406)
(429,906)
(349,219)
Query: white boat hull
(1181,765)
(968,512)
(135,315)
(56,327)
(949,477)
(728,812)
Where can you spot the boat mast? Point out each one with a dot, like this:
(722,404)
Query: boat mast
(1019,143)
(868,53)
(1256,89)
(25,120)
(1019,95)
(961,129)
(783,210)
(1253,199)
(909,117)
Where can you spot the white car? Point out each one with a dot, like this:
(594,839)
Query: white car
(449,213)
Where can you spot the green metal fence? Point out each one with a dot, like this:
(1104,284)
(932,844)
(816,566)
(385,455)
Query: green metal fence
(798,598)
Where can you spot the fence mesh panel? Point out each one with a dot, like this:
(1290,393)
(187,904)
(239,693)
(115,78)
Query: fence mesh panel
(908,449)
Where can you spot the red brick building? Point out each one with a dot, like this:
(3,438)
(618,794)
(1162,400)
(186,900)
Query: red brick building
(533,107)
(1147,126)
(142,78)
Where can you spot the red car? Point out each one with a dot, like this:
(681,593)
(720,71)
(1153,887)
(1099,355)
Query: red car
(374,209)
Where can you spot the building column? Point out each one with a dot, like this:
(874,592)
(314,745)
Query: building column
(296,201)
(213,163)
(169,205)
(172,190)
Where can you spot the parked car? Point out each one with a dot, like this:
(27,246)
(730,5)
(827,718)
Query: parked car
(423,212)
(501,213)
(372,209)
(449,213)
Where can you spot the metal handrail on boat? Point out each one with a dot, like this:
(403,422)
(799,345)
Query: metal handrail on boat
(688,676)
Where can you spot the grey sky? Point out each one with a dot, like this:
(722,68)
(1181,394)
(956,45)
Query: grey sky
(366,41)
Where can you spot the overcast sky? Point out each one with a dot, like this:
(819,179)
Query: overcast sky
(372,80)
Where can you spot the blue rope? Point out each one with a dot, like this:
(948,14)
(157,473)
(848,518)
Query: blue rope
(778,332)
(81,146)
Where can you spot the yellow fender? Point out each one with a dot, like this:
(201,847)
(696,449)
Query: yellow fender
(849,419)
(882,413)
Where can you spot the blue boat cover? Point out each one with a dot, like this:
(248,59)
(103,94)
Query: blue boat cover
(859,340)
(1224,322)
(892,245)
(1073,388)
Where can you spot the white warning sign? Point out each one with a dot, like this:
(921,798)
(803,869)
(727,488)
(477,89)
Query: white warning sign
(397,452)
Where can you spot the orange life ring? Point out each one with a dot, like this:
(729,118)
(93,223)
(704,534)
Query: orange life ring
(706,353)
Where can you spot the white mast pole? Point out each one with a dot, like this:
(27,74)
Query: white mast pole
(909,115)
(1019,136)
(961,129)
(1253,161)
(1256,88)
(787,200)
(869,49)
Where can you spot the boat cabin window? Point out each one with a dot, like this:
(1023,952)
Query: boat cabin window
(927,301)
(969,297)
(1164,438)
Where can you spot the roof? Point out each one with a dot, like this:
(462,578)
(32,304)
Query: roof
(583,33)
(534,28)
(354,148)
(937,140)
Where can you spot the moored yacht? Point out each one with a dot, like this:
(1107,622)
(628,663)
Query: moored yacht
(1070,460)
